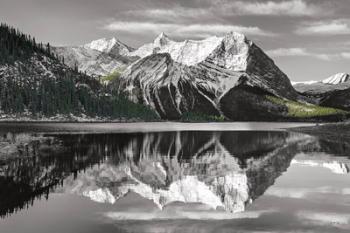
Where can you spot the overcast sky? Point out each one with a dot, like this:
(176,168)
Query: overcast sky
(308,39)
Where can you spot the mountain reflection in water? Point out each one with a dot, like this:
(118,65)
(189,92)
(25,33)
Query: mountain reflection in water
(222,170)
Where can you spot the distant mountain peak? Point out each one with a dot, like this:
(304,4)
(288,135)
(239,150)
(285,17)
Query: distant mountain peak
(337,79)
(236,36)
(102,45)
(333,80)
(161,39)
(99,57)
(188,52)
(107,45)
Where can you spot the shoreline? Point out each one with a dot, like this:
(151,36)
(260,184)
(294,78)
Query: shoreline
(331,131)
(135,127)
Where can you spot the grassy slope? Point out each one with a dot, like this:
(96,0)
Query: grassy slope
(305,110)
(112,76)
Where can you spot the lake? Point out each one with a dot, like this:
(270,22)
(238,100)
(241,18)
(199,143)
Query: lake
(171,177)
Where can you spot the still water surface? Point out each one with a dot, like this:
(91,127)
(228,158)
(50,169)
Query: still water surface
(172,181)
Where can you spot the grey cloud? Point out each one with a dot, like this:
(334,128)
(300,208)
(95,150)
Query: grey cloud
(181,30)
(285,8)
(270,23)
(302,52)
(333,27)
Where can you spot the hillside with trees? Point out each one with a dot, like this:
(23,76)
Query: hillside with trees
(36,83)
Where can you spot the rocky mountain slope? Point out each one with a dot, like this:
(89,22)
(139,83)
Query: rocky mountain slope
(195,76)
(338,81)
(226,76)
(331,92)
(97,58)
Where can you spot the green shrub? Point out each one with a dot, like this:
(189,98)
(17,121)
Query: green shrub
(112,76)
(200,117)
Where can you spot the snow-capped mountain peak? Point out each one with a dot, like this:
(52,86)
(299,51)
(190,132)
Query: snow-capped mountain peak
(162,39)
(334,80)
(97,58)
(236,36)
(107,45)
(188,52)
(102,45)
(337,79)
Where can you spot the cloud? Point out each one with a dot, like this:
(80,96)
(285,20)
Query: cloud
(289,8)
(284,52)
(170,14)
(188,30)
(346,55)
(334,27)
(298,52)
(325,218)
(225,7)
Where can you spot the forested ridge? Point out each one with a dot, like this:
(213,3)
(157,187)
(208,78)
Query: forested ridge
(34,82)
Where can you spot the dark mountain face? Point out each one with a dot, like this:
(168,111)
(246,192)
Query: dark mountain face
(337,99)
(242,101)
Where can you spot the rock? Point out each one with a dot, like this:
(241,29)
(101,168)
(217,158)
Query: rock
(337,79)
(98,58)
(331,92)
(193,76)
(249,103)
(166,86)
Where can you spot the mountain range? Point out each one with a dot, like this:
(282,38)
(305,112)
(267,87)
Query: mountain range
(226,77)
(98,58)
(217,78)
(333,91)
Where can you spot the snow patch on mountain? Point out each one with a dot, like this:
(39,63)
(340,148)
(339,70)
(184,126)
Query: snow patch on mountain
(304,82)
(334,80)
(193,76)
(93,61)
(233,53)
(188,52)
(102,45)
(106,45)
(337,79)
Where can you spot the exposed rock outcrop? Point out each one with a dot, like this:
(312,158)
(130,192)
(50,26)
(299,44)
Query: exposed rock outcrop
(193,76)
